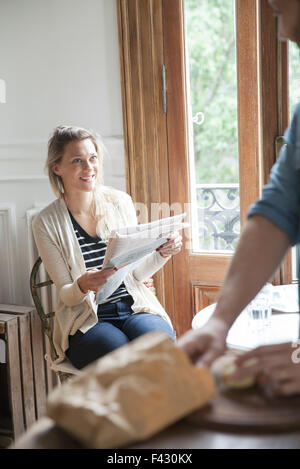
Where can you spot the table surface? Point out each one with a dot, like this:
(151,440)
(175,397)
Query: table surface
(44,434)
(244,335)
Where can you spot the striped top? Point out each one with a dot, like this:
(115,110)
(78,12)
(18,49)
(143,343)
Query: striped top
(93,250)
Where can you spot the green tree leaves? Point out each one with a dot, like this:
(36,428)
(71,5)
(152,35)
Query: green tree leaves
(210,35)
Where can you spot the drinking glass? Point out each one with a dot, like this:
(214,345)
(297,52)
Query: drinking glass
(259,309)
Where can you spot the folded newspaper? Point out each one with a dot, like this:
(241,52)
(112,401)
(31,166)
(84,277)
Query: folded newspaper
(127,246)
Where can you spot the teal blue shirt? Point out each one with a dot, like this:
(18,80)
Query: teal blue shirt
(280,201)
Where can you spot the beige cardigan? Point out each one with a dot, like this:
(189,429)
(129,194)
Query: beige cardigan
(61,254)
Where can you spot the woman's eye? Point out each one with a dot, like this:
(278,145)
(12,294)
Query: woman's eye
(77,160)
(94,157)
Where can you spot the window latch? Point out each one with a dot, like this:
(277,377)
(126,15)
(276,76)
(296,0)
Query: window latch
(279,143)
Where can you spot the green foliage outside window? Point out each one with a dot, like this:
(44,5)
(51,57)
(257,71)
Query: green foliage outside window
(210,33)
(211,60)
(211,54)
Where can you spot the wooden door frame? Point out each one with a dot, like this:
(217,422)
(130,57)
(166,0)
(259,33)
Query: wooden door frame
(145,136)
(174,54)
(151,33)
(274,105)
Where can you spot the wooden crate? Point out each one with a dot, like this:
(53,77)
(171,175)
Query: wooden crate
(21,329)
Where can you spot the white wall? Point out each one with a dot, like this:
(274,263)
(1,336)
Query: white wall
(60,63)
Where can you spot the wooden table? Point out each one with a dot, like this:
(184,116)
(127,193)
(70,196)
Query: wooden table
(44,434)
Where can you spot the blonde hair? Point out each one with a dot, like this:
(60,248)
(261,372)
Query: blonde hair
(62,135)
(104,206)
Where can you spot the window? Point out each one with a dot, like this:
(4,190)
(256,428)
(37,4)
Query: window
(165,160)
(294,77)
(211,77)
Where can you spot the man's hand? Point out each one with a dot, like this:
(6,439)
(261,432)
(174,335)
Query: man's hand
(277,370)
(204,345)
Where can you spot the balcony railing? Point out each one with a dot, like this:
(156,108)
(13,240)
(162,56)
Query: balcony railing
(218,212)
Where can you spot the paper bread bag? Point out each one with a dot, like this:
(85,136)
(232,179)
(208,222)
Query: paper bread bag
(131,393)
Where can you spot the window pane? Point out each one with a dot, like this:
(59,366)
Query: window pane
(294,76)
(294,98)
(212,116)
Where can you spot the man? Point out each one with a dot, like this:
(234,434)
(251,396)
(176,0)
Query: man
(271,229)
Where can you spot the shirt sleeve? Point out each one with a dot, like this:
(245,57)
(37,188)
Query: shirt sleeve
(280,201)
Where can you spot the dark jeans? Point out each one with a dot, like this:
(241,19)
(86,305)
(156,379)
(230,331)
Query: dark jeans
(116,327)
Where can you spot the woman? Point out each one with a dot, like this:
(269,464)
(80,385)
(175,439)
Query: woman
(272,227)
(71,235)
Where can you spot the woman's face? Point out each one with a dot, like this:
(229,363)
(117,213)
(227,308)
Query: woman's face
(288,13)
(78,167)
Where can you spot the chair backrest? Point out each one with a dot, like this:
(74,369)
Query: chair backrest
(47,319)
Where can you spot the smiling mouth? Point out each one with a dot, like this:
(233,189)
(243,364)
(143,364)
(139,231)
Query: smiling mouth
(88,178)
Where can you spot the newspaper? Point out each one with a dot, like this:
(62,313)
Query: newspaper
(129,245)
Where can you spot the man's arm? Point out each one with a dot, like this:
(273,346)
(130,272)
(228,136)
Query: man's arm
(261,248)
(260,251)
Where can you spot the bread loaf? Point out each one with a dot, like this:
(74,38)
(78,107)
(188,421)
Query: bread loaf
(224,369)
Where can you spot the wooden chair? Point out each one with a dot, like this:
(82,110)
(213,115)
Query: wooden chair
(65,369)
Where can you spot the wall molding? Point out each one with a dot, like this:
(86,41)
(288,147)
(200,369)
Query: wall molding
(49,303)
(27,150)
(8,226)
(37,149)
(22,162)
(27,178)
(32,249)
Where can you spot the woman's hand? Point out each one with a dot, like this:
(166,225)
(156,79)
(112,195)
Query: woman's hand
(277,368)
(172,246)
(94,280)
(204,345)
